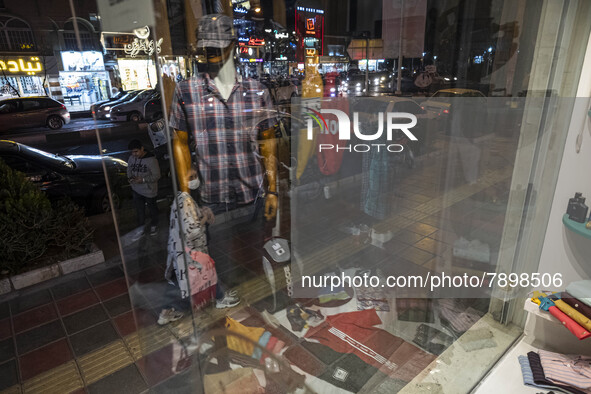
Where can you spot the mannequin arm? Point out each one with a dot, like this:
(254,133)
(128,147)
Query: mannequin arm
(269,153)
(182,158)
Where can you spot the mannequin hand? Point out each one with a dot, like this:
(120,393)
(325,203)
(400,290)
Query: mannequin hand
(270,206)
(208,215)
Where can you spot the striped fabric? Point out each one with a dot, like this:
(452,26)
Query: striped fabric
(540,377)
(578,305)
(528,376)
(225,135)
(568,369)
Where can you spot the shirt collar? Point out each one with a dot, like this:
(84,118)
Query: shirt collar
(210,84)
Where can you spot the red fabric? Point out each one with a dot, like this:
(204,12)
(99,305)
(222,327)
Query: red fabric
(569,323)
(203,280)
(354,332)
(270,345)
(329,161)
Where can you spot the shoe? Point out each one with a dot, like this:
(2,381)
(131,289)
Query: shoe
(153,231)
(230,300)
(169,315)
(137,236)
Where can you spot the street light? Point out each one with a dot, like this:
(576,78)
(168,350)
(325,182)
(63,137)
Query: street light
(257,10)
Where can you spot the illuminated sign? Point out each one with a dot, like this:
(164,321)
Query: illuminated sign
(282,57)
(83,61)
(251,60)
(310,26)
(256,42)
(312,10)
(142,44)
(310,52)
(240,10)
(18,65)
(243,39)
(281,35)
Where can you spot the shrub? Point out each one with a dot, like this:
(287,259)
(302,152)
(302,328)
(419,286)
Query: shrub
(31,227)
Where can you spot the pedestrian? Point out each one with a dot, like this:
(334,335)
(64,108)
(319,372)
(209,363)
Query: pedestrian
(143,172)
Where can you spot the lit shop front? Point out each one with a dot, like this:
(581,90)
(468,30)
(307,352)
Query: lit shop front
(83,80)
(250,54)
(21,76)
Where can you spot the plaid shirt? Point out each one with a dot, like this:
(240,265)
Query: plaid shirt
(225,136)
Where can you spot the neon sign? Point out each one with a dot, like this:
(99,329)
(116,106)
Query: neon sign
(18,65)
(310,26)
(141,43)
(256,42)
(310,52)
(313,10)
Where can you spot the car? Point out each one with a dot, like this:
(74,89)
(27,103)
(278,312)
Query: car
(103,111)
(458,109)
(78,177)
(131,111)
(116,97)
(152,110)
(16,113)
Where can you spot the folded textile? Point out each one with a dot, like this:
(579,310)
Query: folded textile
(578,305)
(571,312)
(242,380)
(581,290)
(263,340)
(324,298)
(239,344)
(528,376)
(540,377)
(547,304)
(572,370)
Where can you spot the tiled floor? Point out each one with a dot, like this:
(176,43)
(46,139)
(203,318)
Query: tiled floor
(79,333)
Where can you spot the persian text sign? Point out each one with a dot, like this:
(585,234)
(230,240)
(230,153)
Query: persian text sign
(21,65)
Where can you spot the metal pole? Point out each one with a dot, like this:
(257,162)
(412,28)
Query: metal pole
(399,79)
(366,65)
(75,22)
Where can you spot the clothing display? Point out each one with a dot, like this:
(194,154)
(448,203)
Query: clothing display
(238,344)
(567,369)
(575,303)
(300,317)
(263,340)
(241,380)
(225,135)
(571,312)
(528,376)
(326,294)
(540,376)
(355,332)
(581,290)
(432,339)
(186,221)
(459,319)
(547,304)
(346,371)
(372,298)
(329,160)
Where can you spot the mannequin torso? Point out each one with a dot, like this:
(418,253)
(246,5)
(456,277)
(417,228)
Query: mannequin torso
(226,78)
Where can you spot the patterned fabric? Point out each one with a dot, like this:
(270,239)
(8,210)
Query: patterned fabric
(528,376)
(185,219)
(567,369)
(540,376)
(225,135)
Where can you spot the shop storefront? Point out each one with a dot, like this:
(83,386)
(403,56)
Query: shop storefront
(137,73)
(83,79)
(21,76)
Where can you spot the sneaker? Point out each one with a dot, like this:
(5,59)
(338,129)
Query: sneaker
(153,230)
(137,236)
(169,315)
(230,300)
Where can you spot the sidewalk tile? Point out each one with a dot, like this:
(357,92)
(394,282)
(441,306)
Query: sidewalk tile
(5,329)
(29,301)
(63,379)
(77,302)
(8,374)
(69,288)
(4,311)
(125,323)
(157,366)
(118,305)
(105,276)
(44,359)
(34,317)
(39,336)
(423,229)
(178,384)
(128,380)
(112,289)
(6,350)
(84,319)
(98,364)
(93,338)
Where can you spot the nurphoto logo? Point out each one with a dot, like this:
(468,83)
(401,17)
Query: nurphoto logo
(342,126)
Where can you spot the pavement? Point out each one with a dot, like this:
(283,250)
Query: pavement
(95,331)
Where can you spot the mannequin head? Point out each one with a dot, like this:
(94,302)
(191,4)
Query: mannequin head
(217,57)
(216,38)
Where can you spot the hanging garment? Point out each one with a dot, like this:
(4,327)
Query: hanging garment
(329,160)
(355,332)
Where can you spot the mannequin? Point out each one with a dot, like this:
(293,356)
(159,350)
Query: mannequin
(222,70)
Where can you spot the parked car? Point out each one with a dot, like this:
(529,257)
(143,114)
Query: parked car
(152,110)
(24,112)
(132,110)
(103,111)
(461,112)
(115,97)
(79,177)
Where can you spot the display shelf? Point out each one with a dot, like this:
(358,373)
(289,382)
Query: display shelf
(576,227)
(530,307)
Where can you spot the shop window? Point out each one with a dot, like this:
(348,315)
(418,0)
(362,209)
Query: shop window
(87,39)
(16,35)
